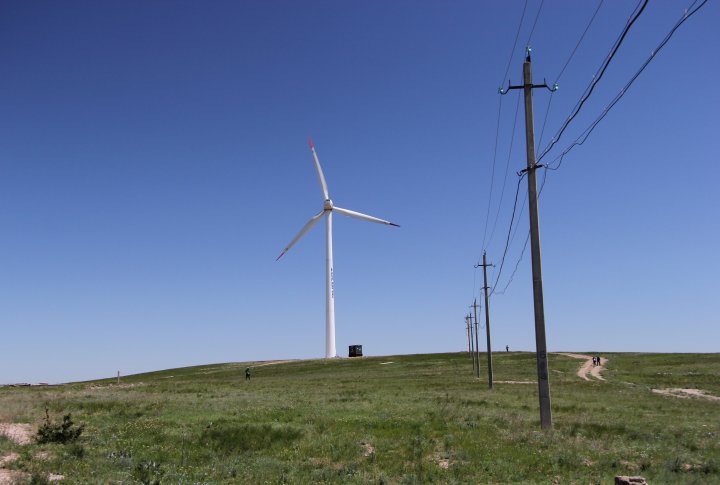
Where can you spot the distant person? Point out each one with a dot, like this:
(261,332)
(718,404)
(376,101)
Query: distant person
(507,348)
(594,361)
(598,360)
(247,373)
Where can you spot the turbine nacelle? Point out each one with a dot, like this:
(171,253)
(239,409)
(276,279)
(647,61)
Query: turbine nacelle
(328,205)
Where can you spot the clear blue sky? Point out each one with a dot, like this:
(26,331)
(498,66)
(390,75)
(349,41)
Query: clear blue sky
(154,162)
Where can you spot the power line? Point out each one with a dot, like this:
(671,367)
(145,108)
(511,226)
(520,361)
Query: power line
(688,13)
(535,22)
(547,112)
(527,238)
(517,265)
(507,167)
(522,209)
(542,133)
(601,71)
(512,51)
(636,14)
(557,79)
(507,241)
(562,71)
(586,133)
(492,173)
(497,128)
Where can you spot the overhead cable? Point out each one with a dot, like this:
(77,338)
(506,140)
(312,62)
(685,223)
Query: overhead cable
(507,169)
(497,127)
(507,242)
(572,54)
(636,14)
(537,15)
(492,172)
(586,133)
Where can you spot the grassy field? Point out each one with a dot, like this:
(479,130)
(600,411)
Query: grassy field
(389,420)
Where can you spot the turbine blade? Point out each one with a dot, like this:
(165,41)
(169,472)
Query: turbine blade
(365,217)
(302,232)
(321,177)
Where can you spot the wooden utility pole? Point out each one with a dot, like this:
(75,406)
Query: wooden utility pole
(477,346)
(487,322)
(532,166)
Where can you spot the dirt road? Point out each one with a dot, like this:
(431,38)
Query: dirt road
(588,367)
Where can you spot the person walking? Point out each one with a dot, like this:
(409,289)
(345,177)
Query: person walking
(247,373)
(507,348)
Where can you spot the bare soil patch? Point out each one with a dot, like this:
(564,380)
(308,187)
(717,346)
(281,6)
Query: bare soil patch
(686,393)
(12,477)
(368,449)
(9,458)
(22,434)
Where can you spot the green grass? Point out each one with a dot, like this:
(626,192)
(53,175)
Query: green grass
(352,421)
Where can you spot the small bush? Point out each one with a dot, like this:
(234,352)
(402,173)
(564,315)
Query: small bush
(65,432)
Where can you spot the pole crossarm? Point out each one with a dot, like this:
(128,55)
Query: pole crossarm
(529,85)
(510,87)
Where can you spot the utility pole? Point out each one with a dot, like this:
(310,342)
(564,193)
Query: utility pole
(467,331)
(477,346)
(472,344)
(532,166)
(487,319)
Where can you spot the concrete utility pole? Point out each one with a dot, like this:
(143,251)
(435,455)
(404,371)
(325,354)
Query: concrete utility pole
(487,320)
(468,320)
(477,346)
(532,166)
(467,330)
(540,344)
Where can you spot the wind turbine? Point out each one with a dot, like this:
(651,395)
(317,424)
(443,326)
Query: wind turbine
(327,211)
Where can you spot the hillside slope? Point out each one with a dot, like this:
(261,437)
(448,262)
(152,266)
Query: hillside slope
(396,419)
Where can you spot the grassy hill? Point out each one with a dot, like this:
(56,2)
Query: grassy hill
(392,420)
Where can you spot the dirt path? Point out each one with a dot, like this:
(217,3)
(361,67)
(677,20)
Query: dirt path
(588,367)
(515,382)
(686,393)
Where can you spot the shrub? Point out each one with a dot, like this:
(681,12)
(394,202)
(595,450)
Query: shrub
(65,432)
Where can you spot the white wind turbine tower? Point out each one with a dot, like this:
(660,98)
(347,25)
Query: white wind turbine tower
(328,209)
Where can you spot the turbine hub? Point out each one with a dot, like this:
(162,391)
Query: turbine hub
(328,205)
